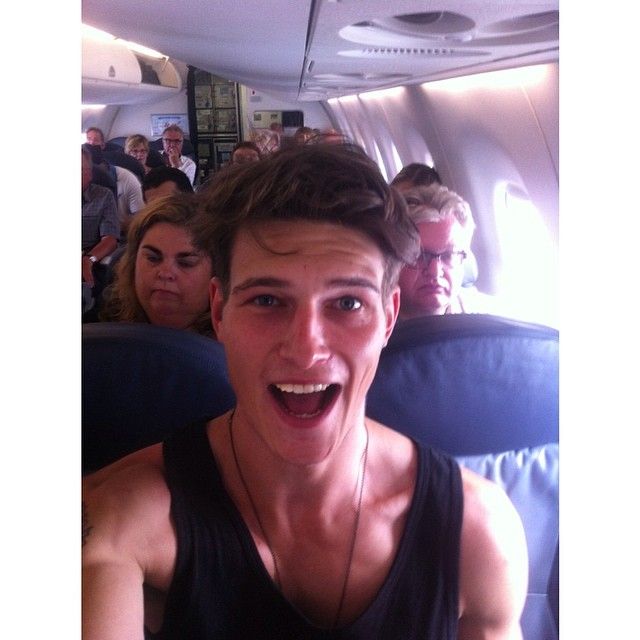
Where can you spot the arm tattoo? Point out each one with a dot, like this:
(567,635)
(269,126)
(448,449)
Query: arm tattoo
(86,527)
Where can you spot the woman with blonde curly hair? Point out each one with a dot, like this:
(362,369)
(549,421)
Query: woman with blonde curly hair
(163,276)
(137,146)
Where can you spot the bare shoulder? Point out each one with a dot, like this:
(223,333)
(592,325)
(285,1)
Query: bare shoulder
(127,542)
(126,511)
(151,455)
(493,562)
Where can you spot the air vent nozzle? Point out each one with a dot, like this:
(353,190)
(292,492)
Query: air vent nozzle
(422,52)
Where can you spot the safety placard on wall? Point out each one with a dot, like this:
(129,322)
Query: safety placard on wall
(266,118)
(160,121)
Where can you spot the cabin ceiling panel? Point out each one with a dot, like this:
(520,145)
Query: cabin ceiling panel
(307,50)
(260,44)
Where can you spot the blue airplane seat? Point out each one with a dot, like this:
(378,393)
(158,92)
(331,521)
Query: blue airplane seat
(140,382)
(485,389)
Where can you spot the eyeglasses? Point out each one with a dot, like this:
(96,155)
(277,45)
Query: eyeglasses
(172,140)
(446,258)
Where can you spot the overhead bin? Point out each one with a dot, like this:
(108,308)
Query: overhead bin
(114,74)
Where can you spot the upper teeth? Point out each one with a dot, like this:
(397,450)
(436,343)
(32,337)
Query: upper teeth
(301,388)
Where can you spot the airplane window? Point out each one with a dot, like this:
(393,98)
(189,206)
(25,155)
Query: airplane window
(528,277)
(396,159)
(380,162)
(428,159)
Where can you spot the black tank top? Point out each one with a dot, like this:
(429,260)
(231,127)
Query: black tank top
(222,591)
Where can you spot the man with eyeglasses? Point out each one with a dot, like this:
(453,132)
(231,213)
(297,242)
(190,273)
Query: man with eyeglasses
(433,285)
(172,138)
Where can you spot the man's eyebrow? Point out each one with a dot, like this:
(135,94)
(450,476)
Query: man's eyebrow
(250,283)
(354,282)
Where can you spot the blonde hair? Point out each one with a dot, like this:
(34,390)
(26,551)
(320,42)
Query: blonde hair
(135,140)
(435,203)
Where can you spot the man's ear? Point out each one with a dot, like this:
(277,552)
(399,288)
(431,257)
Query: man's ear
(216,302)
(391,310)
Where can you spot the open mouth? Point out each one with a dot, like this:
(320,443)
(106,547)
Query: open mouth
(304,400)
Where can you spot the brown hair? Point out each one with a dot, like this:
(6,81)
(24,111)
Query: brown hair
(418,175)
(121,302)
(322,183)
(246,144)
(97,130)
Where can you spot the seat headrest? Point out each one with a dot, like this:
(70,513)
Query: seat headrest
(469,383)
(140,382)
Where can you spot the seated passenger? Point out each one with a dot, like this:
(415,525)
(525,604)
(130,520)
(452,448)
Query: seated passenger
(164,181)
(433,285)
(415,175)
(163,275)
(128,189)
(245,151)
(100,233)
(303,135)
(172,141)
(137,146)
(329,136)
(95,137)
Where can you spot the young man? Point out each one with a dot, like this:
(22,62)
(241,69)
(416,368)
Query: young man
(294,515)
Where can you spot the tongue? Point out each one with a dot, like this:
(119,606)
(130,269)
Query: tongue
(302,404)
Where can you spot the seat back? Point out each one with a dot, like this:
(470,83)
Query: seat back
(140,382)
(485,389)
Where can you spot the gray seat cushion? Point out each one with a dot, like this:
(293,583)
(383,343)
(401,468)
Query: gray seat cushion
(530,478)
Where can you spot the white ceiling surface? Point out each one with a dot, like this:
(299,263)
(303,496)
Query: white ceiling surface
(306,50)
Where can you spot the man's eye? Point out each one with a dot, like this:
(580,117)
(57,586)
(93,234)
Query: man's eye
(349,304)
(265,300)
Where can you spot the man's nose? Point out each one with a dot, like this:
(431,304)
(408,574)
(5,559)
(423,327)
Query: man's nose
(304,343)
(433,267)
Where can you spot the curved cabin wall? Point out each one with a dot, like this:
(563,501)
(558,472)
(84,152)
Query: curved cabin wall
(493,138)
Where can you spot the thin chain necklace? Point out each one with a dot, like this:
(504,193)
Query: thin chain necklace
(352,546)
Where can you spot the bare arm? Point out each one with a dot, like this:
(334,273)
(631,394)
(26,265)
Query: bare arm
(105,247)
(493,564)
(124,536)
